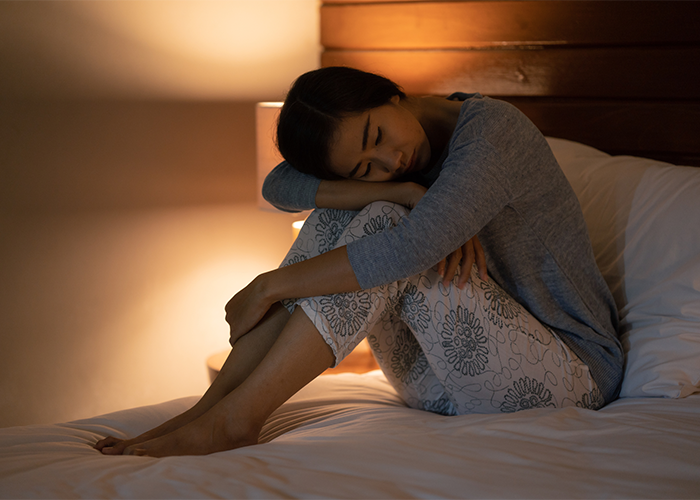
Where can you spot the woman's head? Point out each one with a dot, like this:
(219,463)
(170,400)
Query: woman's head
(315,107)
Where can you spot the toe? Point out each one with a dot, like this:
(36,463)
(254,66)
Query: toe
(106,442)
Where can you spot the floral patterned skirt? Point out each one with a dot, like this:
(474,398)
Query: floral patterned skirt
(444,350)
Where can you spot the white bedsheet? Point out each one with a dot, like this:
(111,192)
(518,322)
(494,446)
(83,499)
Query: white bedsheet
(349,436)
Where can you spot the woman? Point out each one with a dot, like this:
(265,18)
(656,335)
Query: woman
(426,175)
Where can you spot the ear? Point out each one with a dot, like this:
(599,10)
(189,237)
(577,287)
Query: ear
(395,99)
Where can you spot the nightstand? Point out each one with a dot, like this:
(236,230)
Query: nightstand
(360,360)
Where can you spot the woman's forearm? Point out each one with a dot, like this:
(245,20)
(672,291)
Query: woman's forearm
(348,194)
(331,272)
(324,274)
(327,273)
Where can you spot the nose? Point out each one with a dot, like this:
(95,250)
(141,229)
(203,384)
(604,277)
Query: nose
(389,158)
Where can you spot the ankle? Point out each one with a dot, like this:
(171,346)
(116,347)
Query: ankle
(238,432)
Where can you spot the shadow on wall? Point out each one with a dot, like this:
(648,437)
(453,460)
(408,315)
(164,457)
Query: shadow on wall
(96,155)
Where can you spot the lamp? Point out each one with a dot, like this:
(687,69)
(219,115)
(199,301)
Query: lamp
(268,157)
(360,359)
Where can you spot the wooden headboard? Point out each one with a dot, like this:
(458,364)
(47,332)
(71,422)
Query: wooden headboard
(622,76)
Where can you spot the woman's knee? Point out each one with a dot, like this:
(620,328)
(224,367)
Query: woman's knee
(387,209)
(327,228)
(374,218)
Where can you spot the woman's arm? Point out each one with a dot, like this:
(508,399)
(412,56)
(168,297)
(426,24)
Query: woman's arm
(289,190)
(327,273)
(350,194)
(292,191)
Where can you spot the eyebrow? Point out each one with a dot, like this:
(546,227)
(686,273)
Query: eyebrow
(365,135)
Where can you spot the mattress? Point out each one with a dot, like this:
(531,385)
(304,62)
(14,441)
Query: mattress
(350,436)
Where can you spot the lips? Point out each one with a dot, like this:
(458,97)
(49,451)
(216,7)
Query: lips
(411,163)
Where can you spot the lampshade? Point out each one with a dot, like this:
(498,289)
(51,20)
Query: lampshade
(266,114)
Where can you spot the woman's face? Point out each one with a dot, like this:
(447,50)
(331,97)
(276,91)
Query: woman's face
(379,145)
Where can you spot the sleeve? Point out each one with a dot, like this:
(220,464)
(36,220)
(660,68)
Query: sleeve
(289,190)
(473,187)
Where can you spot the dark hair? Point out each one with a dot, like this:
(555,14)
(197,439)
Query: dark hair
(315,105)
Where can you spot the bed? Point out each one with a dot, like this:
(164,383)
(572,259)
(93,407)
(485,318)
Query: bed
(629,148)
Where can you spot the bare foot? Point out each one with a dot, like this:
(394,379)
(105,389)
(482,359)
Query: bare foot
(212,432)
(115,446)
(108,443)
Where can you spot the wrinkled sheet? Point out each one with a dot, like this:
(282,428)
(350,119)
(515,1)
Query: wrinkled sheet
(350,436)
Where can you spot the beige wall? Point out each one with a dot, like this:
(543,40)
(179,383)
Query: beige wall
(127,205)
(103,311)
(112,154)
(172,49)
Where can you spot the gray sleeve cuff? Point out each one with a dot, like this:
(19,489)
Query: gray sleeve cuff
(289,190)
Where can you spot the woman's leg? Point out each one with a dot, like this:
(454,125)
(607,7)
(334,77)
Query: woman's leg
(298,356)
(245,356)
(344,320)
(405,366)
(471,351)
(488,352)
(442,322)
(249,350)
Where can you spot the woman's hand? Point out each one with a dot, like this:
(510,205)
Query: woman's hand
(325,274)
(409,194)
(247,308)
(465,255)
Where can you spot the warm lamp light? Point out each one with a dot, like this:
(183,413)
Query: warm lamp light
(296,227)
(360,359)
(266,114)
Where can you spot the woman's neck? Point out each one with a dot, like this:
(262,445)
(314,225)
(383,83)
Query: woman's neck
(438,117)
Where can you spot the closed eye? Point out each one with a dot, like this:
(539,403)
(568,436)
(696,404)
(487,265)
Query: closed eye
(369,168)
(379,136)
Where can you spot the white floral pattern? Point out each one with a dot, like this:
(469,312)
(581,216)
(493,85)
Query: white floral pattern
(499,307)
(464,342)
(443,349)
(526,394)
(413,308)
(346,312)
(592,400)
(330,227)
(377,224)
(441,406)
(408,361)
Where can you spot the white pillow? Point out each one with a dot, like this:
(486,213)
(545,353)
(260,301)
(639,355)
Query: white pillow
(643,217)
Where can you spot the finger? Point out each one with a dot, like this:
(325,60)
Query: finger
(441,267)
(480,259)
(452,263)
(467,263)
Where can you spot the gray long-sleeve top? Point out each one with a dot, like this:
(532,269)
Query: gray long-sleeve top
(500,180)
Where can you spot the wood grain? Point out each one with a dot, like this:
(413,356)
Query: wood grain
(450,25)
(589,72)
(620,76)
(666,131)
